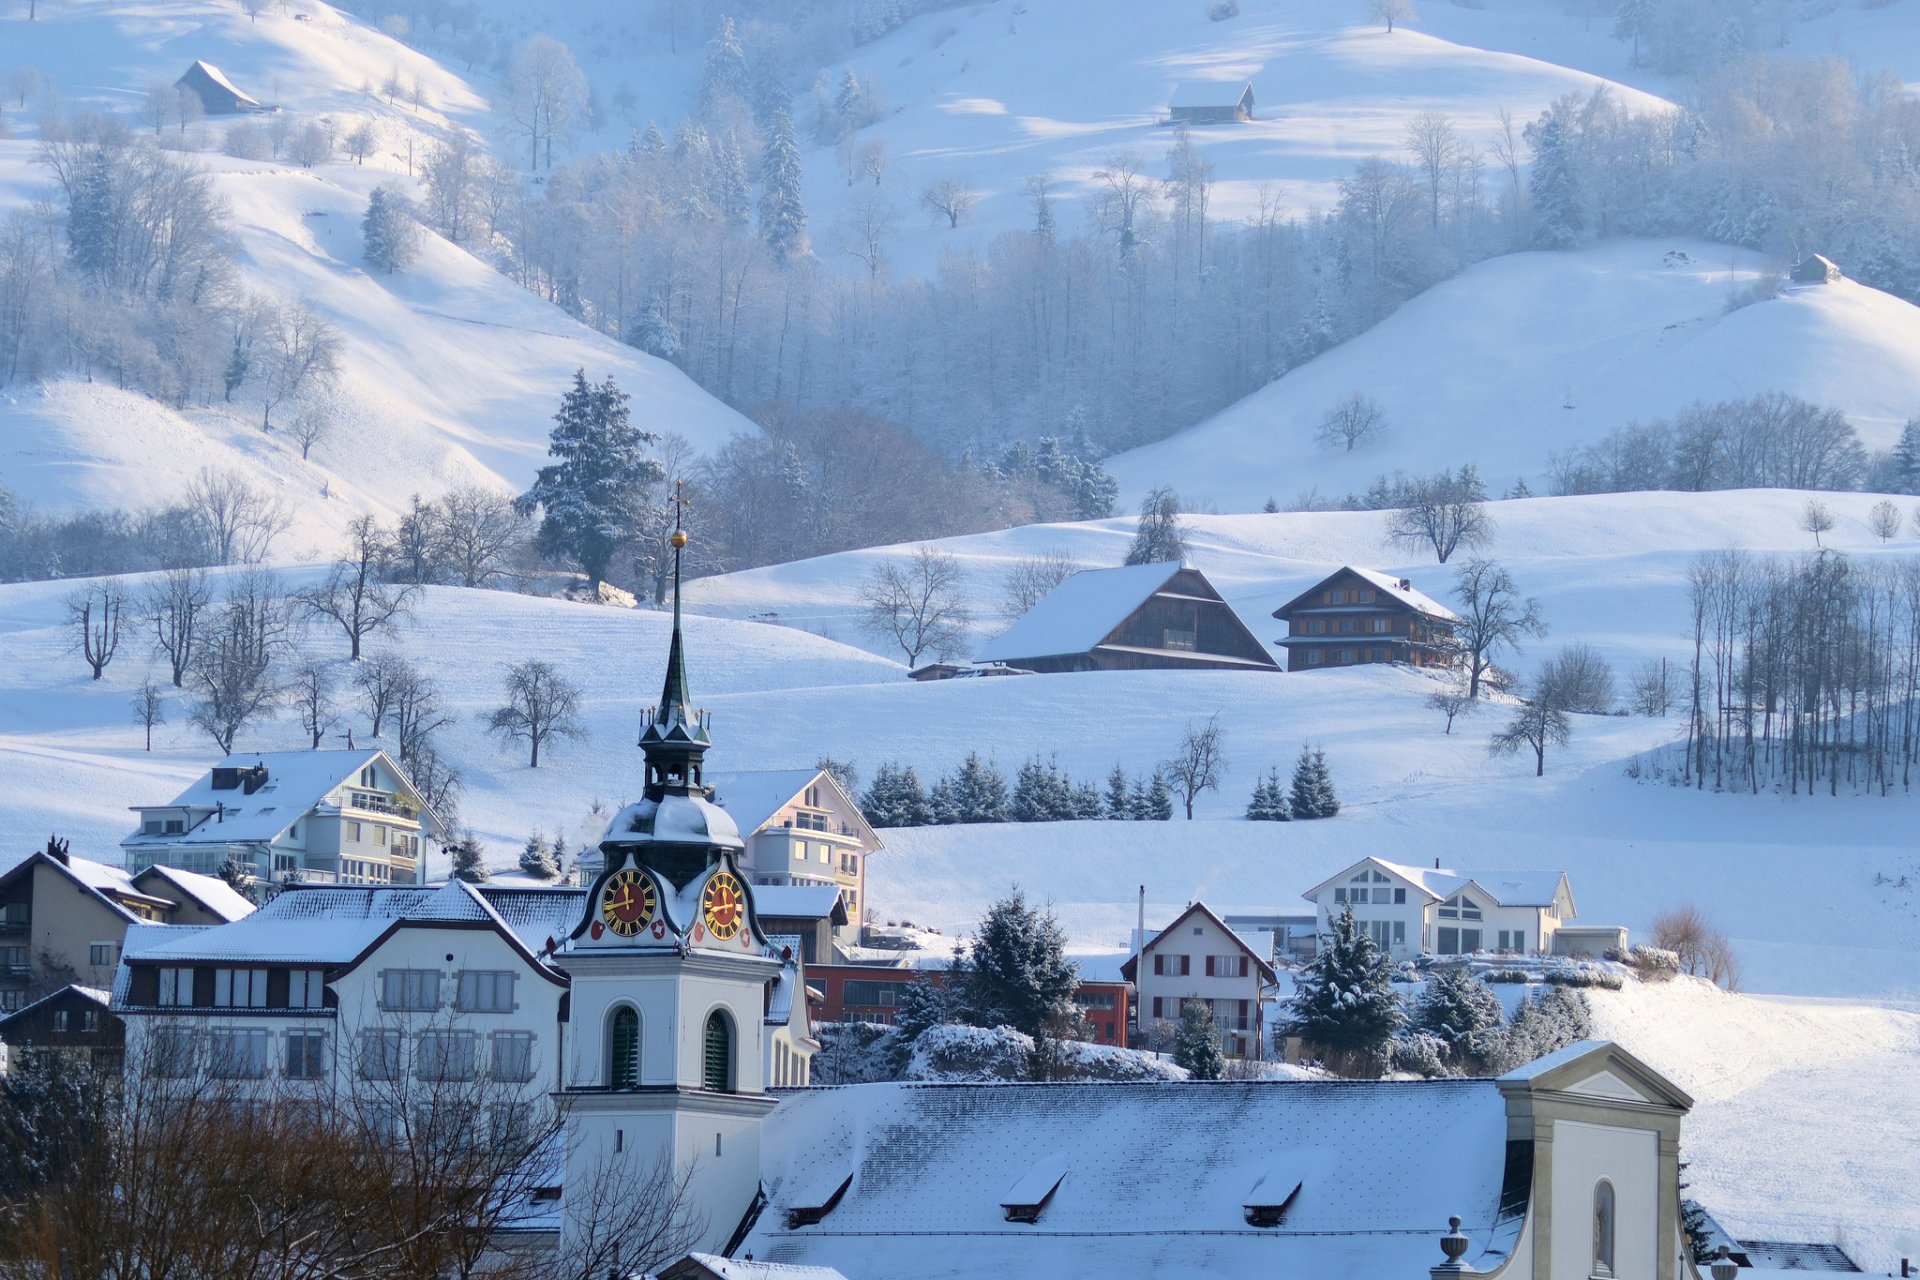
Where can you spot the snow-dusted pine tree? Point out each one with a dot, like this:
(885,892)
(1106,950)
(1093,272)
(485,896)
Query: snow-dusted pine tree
(1312,794)
(390,238)
(1160,536)
(1117,794)
(1460,1009)
(783,216)
(1553,188)
(725,76)
(536,858)
(1196,1045)
(469,860)
(1906,457)
(1344,1005)
(895,798)
(978,792)
(591,500)
(1159,799)
(1019,974)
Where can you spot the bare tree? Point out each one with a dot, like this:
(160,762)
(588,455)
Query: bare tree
(867,226)
(1356,420)
(1452,702)
(480,534)
(1392,11)
(363,140)
(918,605)
(1816,518)
(1581,680)
(1435,148)
(175,603)
(872,159)
(950,198)
(1537,723)
(542,93)
(302,352)
(540,705)
(1032,577)
(1702,949)
(1126,193)
(1199,762)
(22,82)
(95,613)
(1884,520)
(1655,688)
(379,680)
(310,427)
(1445,511)
(149,708)
(1160,536)
(313,694)
(353,595)
(238,520)
(312,145)
(231,683)
(1493,617)
(417,713)
(637,1217)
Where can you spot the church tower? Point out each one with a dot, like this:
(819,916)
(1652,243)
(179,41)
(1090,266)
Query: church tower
(670,971)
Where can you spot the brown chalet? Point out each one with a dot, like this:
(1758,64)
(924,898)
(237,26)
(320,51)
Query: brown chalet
(1361,615)
(1140,617)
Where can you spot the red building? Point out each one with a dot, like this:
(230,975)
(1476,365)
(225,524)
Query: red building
(871,993)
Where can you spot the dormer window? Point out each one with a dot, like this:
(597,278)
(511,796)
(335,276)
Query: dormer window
(1027,1198)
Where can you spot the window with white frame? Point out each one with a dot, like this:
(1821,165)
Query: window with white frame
(306,988)
(176,987)
(410,989)
(1460,907)
(60,1021)
(237,1053)
(380,1055)
(103,955)
(446,1055)
(240,988)
(306,1055)
(485,991)
(513,1055)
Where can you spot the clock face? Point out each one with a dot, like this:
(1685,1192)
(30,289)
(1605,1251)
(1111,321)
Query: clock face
(627,902)
(724,906)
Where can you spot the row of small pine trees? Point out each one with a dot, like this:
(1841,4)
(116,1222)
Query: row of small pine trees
(1041,792)
(1310,796)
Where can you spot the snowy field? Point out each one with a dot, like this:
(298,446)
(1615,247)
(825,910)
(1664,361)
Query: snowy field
(1530,354)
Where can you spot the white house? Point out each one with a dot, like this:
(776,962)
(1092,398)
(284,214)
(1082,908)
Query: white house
(332,817)
(1411,911)
(1198,957)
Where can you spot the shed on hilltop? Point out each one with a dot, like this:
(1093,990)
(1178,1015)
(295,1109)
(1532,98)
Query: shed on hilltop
(1138,617)
(218,95)
(1212,102)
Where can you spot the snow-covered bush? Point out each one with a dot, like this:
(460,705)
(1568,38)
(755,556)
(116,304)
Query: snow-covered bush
(1506,975)
(1583,975)
(853,1053)
(953,1053)
(1420,1054)
(1652,964)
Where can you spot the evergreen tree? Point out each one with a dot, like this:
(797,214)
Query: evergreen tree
(536,858)
(1343,1001)
(850,102)
(895,798)
(978,792)
(1553,188)
(1139,803)
(1196,1045)
(653,142)
(732,192)
(1159,537)
(1906,457)
(941,806)
(1032,794)
(924,1003)
(592,499)
(724,78)
(236,875)
(1553,1019)
(654,333)
(770,93)
(1087,804)
(783,217)
(1117,805)
(1312,794)
(390,238)
(1019,975)
(559,854)
(1269,799)
(1159,799)
(469,860)
(90,218)
(1459,1009)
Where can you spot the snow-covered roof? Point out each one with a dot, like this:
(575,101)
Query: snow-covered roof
(219,78)
(1210,93)
(333,925)
(1153,1178)
(1387,584)
(211,892)
(1201,908)
(712,1264)
(798,901)
(752,799)
(674,819)
(97,995)
(1507,889)
(296,782)
(109,885)
(1080,612)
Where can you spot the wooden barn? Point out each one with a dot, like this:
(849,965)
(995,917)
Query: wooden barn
(1212,102)
(1361,615)
(1137,618)
(218,95)
(1814,269)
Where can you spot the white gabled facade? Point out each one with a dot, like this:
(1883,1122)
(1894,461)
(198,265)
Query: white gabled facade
(1198,957)
(1410,911)
(327,817)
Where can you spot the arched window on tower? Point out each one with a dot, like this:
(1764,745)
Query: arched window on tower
(623,1049)
(1603,1229)
(717,1058)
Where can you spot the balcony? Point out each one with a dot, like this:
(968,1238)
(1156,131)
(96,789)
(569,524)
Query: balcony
(15,926)
(381,803)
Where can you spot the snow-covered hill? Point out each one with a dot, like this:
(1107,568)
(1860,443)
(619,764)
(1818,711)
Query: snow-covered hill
(450,372)
(1532,353)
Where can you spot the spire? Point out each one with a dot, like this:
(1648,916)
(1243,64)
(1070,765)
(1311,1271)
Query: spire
(675,737)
